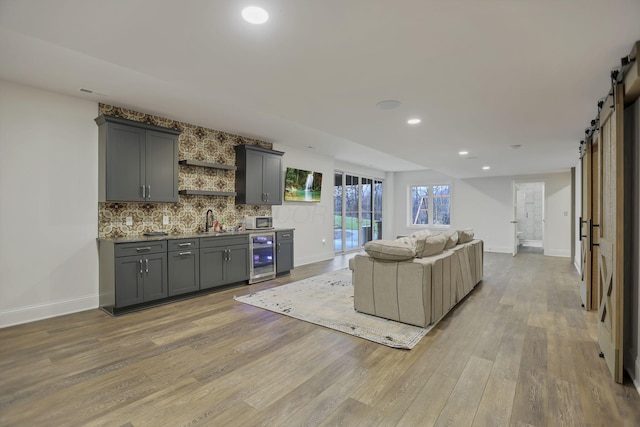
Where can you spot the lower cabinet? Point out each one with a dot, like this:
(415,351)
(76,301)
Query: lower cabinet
(284,251)
(146,271)
(223,260)
(140,278)
(183,266)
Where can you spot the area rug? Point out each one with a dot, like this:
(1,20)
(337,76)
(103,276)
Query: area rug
(327,300)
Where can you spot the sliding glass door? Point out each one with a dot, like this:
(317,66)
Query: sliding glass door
(357,211)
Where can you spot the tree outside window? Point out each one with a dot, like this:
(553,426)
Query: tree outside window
(430,204)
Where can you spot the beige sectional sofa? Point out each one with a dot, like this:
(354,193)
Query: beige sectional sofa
(418,290)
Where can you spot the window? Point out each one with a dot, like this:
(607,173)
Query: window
(430,204)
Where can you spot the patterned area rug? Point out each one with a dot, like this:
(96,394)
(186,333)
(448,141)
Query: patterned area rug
(327,300)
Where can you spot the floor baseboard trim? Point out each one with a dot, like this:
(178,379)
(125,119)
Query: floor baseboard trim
(35,312)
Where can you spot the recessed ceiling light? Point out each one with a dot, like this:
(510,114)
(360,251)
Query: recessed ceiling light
(486,168)
(463,153)
(515,146)
(389,104)
(255,15)
(413,121)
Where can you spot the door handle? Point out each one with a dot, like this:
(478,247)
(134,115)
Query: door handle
(148,191)
(141,266)
(228,254)
(580,229)
(146,267)
(184,244)
(185,253)
(591,225)
(514,222)
(143,192)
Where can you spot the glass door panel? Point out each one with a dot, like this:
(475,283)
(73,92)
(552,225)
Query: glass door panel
(352,212)
(338,191)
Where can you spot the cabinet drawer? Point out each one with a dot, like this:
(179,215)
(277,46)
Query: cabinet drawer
(282,235)
(210,242)
(183,244)
(140,248)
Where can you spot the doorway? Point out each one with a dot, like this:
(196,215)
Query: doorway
(528,219)
(357,204)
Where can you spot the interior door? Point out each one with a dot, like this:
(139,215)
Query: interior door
(586,286)
(611,233)
(514,221)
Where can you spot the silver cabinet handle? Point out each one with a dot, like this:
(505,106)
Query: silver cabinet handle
(140,266)
(278,247)
(146,261)
(148,191)
(228,254)
(146,248)
(184,253)
(143,193)
(184,244)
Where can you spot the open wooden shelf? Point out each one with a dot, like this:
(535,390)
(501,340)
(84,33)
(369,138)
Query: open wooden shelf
(207,165)
(206,193)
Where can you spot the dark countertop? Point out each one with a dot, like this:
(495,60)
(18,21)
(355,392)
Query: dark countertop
(130,239)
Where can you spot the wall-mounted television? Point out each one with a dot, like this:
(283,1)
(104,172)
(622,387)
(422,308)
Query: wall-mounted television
(302,185)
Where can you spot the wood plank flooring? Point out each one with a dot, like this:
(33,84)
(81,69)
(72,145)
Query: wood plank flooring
(518,351)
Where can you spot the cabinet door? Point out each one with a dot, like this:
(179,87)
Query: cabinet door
(272,179)
(284,256)
(161,167)
(237,264)
(125,157)
(129,280)
(212,267)
(254,178)
(155,276)
(184,271)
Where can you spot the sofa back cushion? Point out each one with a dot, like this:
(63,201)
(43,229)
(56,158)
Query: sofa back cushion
(393,250)
(465,236)
(418,238)
(433,245)
(452,239)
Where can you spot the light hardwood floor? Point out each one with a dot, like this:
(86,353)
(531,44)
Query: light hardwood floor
(518,351)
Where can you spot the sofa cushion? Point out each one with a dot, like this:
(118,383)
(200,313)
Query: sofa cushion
(452,239)
(465,236)
(434,245)
(394,250)
(418,238)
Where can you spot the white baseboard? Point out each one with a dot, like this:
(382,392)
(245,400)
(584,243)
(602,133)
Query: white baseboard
(532,243)
(498,249)
(35,312)
(314,258)
(558,252)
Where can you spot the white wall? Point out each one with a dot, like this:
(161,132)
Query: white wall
(486,205)
(48,204)
(313,222)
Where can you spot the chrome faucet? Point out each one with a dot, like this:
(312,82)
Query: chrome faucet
(208,225)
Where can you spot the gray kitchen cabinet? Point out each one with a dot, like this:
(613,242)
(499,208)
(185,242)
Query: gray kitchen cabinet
(223,260)
(284,251)
(183,266)
(259,176)
(138,162)
(132,273)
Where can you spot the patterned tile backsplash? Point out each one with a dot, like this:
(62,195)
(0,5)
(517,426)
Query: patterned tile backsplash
(186,216)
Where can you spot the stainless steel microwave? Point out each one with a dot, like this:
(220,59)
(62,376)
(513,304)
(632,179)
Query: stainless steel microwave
(258,222)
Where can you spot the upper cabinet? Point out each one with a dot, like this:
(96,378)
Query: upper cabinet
(138,162)
(259,176)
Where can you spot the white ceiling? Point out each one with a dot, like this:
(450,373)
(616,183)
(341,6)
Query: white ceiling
(481,74)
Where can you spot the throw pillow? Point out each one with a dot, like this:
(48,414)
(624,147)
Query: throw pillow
(393,250)
(465,235)
(434,245)
(452,239)
(418,237)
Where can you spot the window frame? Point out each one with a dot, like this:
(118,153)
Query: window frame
(430,216)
